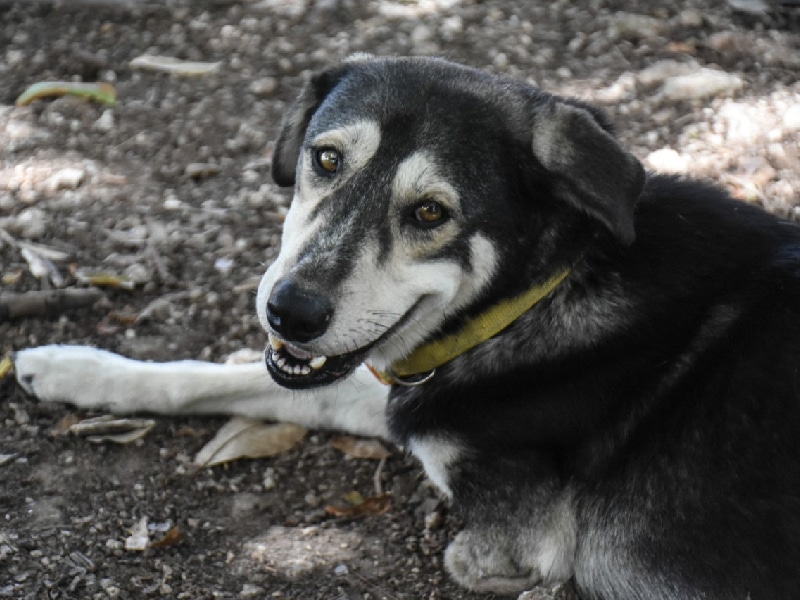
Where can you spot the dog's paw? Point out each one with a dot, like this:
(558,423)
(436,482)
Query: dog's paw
(483,562)
(78,375)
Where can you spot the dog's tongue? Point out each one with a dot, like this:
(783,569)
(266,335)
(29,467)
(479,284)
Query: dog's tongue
(298,353)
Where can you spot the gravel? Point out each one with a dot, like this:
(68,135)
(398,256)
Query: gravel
(171,187)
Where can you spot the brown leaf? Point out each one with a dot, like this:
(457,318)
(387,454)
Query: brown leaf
(371,507)
(360,448)
(172,538)
(62,427)
(6,366)
(107,428)
(187,431)
(248,438)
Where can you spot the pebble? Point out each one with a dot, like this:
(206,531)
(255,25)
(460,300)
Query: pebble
(634,26)
(70,178)
(106,122)
(664,69)
(30,223)
(757,8)
(667,160)
(265,86)
(704,83)
(691,17)
(791,118)
(251,591)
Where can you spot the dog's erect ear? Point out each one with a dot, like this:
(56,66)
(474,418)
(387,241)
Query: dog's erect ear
(287,148)
(592,171)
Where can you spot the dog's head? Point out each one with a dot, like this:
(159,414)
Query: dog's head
(424,192)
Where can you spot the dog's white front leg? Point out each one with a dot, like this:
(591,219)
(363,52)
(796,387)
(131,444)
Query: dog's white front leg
(92,378)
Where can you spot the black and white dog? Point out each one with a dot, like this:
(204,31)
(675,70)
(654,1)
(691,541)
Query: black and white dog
(599,366)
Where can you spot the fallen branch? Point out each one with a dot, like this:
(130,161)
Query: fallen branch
(45,302)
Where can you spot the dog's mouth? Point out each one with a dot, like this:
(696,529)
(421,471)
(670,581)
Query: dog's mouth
(295,368)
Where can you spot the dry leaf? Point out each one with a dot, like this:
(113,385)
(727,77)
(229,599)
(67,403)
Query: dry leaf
(187,431)
(62,427)
(6,366)
(41,267)
(12,277)
(171,538)
(104,279)
(99,92)
(248,438)
(360,448)
(7,458)
(176,66)
(371,507)
(354,498)
(139,538)
(107,428)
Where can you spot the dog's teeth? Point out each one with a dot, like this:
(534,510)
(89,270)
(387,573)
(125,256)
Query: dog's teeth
(305,370)
(317,362)
(275,343)
(281,362)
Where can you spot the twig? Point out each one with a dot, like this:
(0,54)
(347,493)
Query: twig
(376,479)
(45,302)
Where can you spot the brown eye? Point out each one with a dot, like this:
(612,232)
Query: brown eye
(327,161)
(429,213)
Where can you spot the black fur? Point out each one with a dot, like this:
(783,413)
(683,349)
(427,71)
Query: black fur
(647,413)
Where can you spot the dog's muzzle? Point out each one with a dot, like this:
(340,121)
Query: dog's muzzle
(298,315)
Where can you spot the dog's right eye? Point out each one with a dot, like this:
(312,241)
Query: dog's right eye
(327,161)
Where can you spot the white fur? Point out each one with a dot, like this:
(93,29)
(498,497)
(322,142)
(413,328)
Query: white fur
(92,378)
(437,455)
(417,177)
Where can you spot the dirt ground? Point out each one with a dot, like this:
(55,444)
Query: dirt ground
(170,187)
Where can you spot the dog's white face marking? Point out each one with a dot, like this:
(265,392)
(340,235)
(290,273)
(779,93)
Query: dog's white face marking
(437,454)
(445,287)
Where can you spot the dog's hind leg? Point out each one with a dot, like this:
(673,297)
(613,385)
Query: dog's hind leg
(90,378)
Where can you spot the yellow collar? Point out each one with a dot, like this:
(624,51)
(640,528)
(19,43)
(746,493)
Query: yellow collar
(425,359)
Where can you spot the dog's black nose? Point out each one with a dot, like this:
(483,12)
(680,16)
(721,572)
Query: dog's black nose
(296,313)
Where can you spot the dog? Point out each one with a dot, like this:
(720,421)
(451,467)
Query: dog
(597,365)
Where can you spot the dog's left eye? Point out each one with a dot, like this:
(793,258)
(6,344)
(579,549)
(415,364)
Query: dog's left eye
(429,213)
(327,161)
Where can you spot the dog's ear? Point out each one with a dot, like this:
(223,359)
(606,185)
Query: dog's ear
(295,122)
(591,169)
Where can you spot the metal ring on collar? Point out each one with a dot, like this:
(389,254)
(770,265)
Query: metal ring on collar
(417,380)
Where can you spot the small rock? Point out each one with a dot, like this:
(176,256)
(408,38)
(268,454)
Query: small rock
(791,118)
(264,87)
(691,17)
(704,83)
(139,273)
(66,179)
(201,170)
(30,223)
(756,8)
(297,568)
(667,160)
(106,122)
(726,41)
(633,26)
(664,69)
(249,591)
(27,196)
